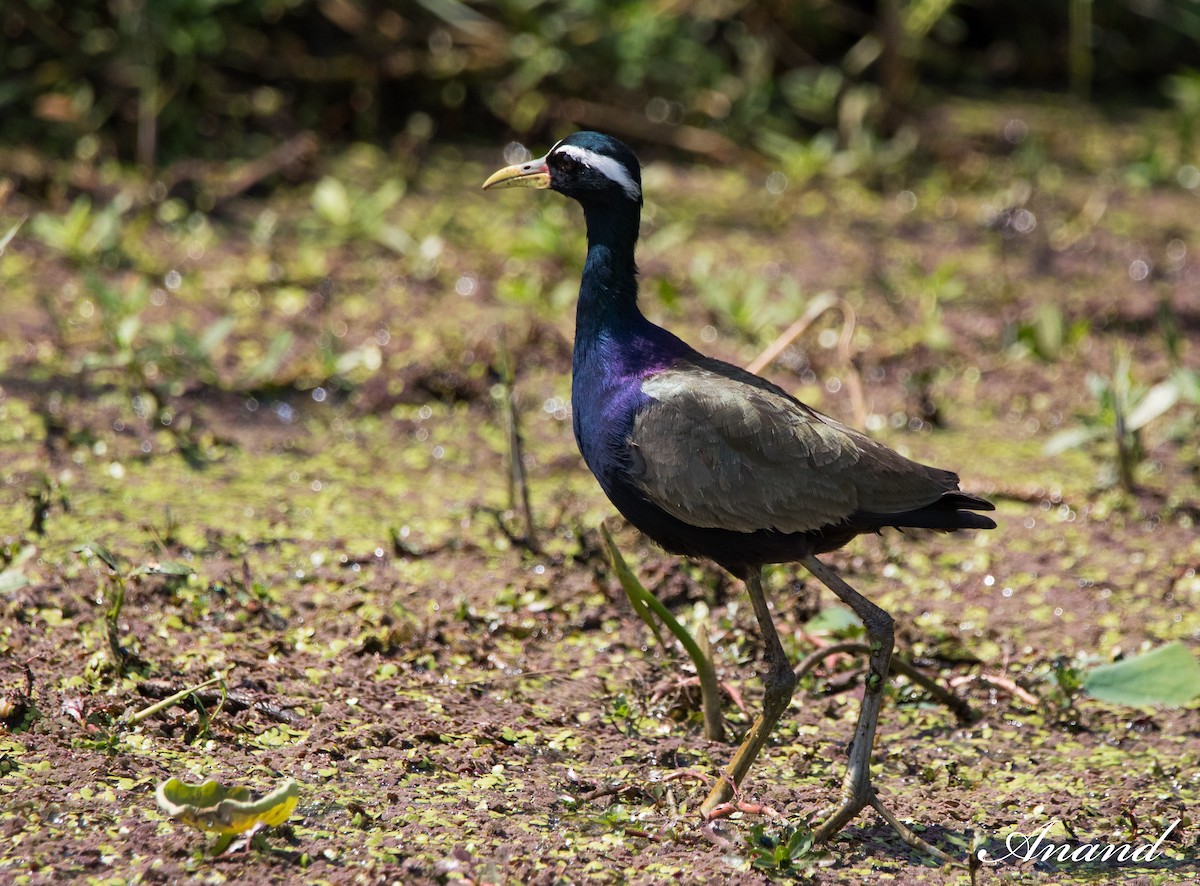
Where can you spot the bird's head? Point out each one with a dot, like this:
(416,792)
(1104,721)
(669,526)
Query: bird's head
(590,167)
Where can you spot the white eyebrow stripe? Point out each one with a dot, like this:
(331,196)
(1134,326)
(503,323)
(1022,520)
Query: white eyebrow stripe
(609,167)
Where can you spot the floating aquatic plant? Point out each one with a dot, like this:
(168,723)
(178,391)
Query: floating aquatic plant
(215,808)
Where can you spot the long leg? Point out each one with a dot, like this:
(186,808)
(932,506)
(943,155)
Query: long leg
(857,792)
(778,684)
(956,703)
(856,789)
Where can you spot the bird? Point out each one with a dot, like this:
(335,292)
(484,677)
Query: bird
(713,462)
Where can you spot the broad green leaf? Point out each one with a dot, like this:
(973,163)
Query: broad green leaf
(1168,675)
(213,807)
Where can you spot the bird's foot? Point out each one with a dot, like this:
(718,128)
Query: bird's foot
(724,801)
(712,817)
(722,810)
(854,803)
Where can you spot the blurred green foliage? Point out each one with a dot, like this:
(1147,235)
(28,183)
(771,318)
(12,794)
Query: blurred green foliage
(162,80)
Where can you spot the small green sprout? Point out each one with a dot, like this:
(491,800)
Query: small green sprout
(781,851)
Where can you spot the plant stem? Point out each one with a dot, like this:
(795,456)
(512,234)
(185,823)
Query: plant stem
(170,700)
(643,603)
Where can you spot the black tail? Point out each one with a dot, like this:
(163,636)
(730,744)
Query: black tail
(954,510)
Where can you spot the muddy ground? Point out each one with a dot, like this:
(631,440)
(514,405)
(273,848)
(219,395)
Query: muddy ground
(296,405)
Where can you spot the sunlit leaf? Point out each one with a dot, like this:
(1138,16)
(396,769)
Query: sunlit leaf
(331,201)
(1168,675)
(127,330)
(1157,401)
(215,808)
(1072,438)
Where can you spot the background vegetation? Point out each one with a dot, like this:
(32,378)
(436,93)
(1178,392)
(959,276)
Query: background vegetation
(288,489)
(165,81)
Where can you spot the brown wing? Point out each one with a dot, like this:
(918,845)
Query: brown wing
(718,447)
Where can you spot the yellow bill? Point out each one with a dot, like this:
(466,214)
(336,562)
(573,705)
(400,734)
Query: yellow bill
(534,174)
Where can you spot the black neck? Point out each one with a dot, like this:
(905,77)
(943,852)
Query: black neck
(608,291)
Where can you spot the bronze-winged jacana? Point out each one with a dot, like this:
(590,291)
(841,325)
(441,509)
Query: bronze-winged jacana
(711,461)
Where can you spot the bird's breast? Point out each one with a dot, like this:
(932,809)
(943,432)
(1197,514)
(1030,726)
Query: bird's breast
(611,365)
(603,412)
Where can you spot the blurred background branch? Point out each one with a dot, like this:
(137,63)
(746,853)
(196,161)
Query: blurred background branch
(158,82)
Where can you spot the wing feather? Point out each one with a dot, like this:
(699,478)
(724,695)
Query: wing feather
(718,447)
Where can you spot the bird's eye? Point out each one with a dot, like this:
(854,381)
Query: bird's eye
(566,163)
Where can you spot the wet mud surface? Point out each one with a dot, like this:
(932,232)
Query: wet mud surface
(327,486)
